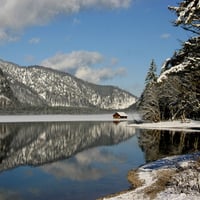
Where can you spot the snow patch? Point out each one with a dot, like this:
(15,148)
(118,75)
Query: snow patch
(183,185)
(173,69)
(189,125)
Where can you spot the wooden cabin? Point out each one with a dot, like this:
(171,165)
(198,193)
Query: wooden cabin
(120,115)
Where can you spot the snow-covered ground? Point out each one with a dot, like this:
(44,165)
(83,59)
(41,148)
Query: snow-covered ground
(189,125)
(171,178)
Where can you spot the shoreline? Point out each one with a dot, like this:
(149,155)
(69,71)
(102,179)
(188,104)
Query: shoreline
(177,125)
(170,178)
(157,180)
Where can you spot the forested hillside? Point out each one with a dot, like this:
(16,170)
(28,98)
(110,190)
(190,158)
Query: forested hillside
(175,93)
(36,89)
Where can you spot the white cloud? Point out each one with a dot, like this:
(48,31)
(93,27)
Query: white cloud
(114,61)
(9,37)
(165,36)
(34,40)
(98,75)
(16,15)
(83,64)
(73,61)
(76,21)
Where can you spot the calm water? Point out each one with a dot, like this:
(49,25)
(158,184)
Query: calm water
(79,160)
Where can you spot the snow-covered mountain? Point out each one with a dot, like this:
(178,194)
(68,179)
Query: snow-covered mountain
(7,98)
(41,86)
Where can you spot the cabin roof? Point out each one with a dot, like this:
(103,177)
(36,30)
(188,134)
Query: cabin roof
(121,114)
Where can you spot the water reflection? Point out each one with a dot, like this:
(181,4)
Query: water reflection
(157,144)
(79,160)
(40,143)
(92,164)
(72,160)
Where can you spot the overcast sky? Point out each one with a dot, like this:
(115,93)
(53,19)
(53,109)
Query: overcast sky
(101,41)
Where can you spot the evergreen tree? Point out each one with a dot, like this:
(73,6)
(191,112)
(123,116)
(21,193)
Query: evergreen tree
(188,13)
(148,103)
(175,94)
(151,75)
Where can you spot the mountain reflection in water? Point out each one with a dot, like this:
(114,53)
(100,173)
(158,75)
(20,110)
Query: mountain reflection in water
(40,143)
(66,160)
(79,160)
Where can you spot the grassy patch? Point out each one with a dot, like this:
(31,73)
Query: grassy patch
(134,179)
(163,179)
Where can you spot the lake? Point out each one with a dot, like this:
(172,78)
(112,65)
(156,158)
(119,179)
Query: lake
(79,160)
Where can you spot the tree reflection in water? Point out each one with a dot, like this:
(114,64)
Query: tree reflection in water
(157,144)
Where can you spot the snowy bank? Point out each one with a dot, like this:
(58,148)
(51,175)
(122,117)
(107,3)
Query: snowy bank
(189,125)
(171,178)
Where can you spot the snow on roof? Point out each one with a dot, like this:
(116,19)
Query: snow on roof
(121,113)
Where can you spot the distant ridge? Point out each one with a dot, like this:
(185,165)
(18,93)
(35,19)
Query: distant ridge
(41,87)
